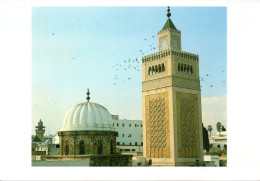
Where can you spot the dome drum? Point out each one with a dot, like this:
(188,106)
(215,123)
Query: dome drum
(87,142)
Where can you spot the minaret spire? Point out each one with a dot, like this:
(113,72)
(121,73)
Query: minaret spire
(168,10)
(88,95)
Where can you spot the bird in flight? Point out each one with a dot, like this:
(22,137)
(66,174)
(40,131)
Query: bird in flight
(207,75)
(52,33)
(211,85)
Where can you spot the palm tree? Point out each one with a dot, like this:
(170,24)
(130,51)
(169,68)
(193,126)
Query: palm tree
(219,126)
(210,128)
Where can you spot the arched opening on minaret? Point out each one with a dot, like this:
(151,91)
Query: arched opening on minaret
(179,66)
(182,67)
(188,68)
(156,69)
(191,70)
(149,71)
(153,70)
(160,68)
(163,68)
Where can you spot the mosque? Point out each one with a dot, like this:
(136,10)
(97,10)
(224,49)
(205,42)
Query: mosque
(171,103)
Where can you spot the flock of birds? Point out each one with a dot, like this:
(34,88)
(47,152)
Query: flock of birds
(202,79)
(135,65)
(131,64)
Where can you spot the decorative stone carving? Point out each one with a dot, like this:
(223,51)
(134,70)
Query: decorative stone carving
(157,121)
(187,125)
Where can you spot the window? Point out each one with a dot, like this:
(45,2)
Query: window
(163,69)
(141,143)
(133,149)
(113,124)
(130,143)
(141,135)
(123,135)
(129,135)
(117,124)
(123,143)
(149,71)
(141,125)
(135,143)
(123,124)
(82,147)
(129,125)
(136,125)
(118,143)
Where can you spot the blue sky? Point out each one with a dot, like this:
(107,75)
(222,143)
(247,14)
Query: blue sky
(75,48)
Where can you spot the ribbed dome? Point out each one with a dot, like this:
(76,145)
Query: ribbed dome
(87,116)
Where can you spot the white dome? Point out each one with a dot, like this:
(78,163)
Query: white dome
(87,116)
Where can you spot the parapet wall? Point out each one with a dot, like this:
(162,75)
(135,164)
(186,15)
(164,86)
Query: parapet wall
(169,52)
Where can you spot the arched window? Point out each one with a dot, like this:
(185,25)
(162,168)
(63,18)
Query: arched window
(179,66)
(191,70)
(81,147)
(218,146)
(188,68)
(99,147)
(182,67)
(225,147)
(111,147)
(163,68)
(67,150)
(156,69)
(149,71)
(160,68)
(153,72)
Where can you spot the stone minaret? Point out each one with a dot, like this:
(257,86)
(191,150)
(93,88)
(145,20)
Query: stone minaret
(171,102)
(40,130)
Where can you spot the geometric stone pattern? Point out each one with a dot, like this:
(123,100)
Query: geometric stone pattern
(158,126)
(188,125)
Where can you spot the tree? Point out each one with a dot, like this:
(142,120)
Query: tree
(223,128)
(210,128)
(206,145)
(218,125)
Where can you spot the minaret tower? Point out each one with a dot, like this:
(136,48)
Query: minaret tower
(171,102)
(40,130)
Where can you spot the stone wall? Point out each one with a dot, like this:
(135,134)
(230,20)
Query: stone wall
(87,142)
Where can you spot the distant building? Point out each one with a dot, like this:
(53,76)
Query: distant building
(219,140)
(130,134)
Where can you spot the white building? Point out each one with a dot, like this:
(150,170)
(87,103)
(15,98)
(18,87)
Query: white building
(219,140)
(130,134)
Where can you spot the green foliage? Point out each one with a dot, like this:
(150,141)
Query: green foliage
(210,128)
(223,128)
(217,151)
(218,126)
(206,145)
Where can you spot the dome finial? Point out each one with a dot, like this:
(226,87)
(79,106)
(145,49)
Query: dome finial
(168,14)
(88,95)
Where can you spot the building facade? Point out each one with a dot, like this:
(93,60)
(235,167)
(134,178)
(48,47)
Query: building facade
(130,134)
(171,102)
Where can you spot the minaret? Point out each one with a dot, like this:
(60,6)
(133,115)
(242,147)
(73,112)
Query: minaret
(40,130)
(171,102)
